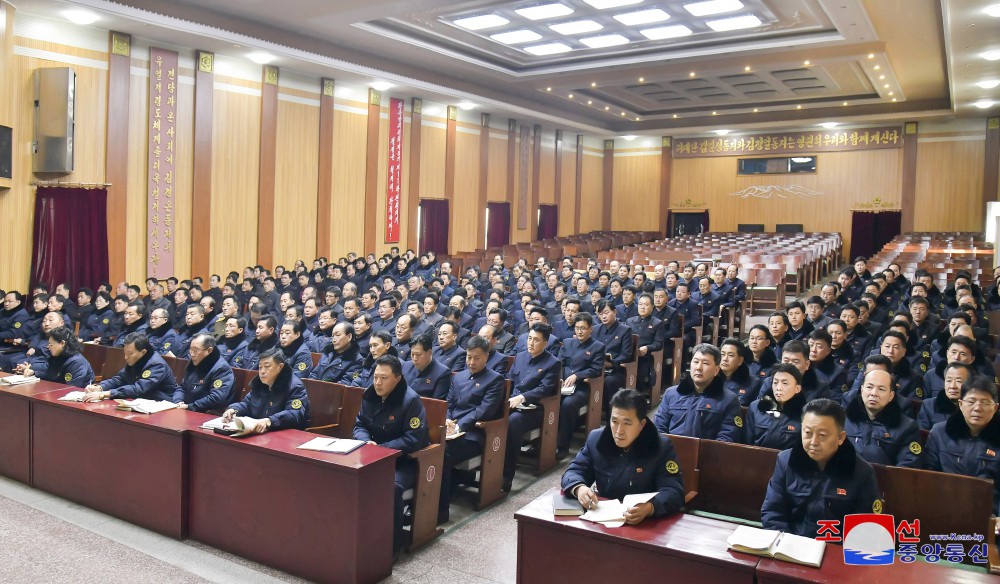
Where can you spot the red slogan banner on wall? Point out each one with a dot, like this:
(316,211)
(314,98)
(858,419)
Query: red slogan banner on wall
(160,178)
(393,186)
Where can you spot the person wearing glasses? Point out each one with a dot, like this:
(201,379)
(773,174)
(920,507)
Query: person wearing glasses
(208,382)
(968,442)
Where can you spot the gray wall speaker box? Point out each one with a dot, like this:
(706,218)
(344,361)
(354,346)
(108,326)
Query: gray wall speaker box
(52,149)
(6,152)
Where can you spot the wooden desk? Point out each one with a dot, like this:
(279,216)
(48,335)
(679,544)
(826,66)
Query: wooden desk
(833,571)
(680,548)
(15,427)
(324,517)
(131,466)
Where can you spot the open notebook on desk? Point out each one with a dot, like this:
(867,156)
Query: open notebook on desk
(778,545)
(335,445)
(17,379)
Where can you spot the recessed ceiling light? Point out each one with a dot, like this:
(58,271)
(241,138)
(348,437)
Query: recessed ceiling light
(516,36)
(734,23)
(989,84)
(260,58)
(593,84)
(548,49)
(576,27)
(993,10)
(381,85)
(570,96)
(665,32)
(806,62)
(754,110)
(467,105)
(713,7)
(881,77)
(886,86)
(480,22)
(798,107)
(721,132)
(747,68)
(845,103)
(642,17)
(606,108)
(891,94)
(607,40)
(894,99)
(82,17)
(623,113)
(605,4)
(675,115)
(829,125)
(628,138)
(871,55)
(877,67)
(715,113)
(548,89)
(984,104)
(990,55)
(590,102)
(642,80)
(637,119)
(543,11)
(691,74)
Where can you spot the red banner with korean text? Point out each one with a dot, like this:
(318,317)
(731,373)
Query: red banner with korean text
(790,143)
(392,185)
(162,120)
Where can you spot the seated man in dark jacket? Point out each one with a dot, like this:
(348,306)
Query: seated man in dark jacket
(208,382)
(700,406)
(627,457)
(277,399)
(820,478)
(392,416)
(145,375)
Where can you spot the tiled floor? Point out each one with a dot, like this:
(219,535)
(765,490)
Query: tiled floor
(48,539)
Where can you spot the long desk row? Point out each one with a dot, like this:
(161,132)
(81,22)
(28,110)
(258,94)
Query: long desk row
(324,517)
(682,548)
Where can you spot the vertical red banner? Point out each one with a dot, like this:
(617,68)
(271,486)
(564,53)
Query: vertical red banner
(393,186)
(162,120)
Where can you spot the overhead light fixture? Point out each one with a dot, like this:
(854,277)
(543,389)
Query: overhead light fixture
(891,93)
(82,17)
(628,138)
(747,68)
(715,113)
(594,84)
(801,159)
(623,114)
(570,96)
(543,11)
(606,4)
(665,32)
(990,55)
(798,107)
(881,77)
(989,84)
(984,104)
(734,23)
(576,27)
(754,110)
(548,49)
(381,85)
(642,17)
(713,7)
(606,108)
(548,89)
(871,55)
(467,105)
(829,125)
(806,62)
(993,10)
(885,86)
(845,103)
(894,100)
(721,132)
(590,102)
(691,74)
(516,37)
(877,67)
(260,58)
(675,115)
(607,40)
(481,21)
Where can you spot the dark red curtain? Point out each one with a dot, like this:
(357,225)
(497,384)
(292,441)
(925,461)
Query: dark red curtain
(434,220)
(548,221)
(71,237)
(498,225)
(870,231)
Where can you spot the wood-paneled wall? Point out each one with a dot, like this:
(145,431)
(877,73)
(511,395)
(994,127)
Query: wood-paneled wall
(948,180)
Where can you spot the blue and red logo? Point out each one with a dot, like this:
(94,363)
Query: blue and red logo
(869,539)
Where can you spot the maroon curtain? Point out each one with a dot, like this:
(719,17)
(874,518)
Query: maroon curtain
(498,227)
(71,237)
(548,221)
(870,231)
(434,220)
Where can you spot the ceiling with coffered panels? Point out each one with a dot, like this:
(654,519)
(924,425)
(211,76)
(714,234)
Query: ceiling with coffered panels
(613,67)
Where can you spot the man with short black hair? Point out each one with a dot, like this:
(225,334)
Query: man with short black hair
(820,478)
(700,406)
(145,375)
(423,373)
